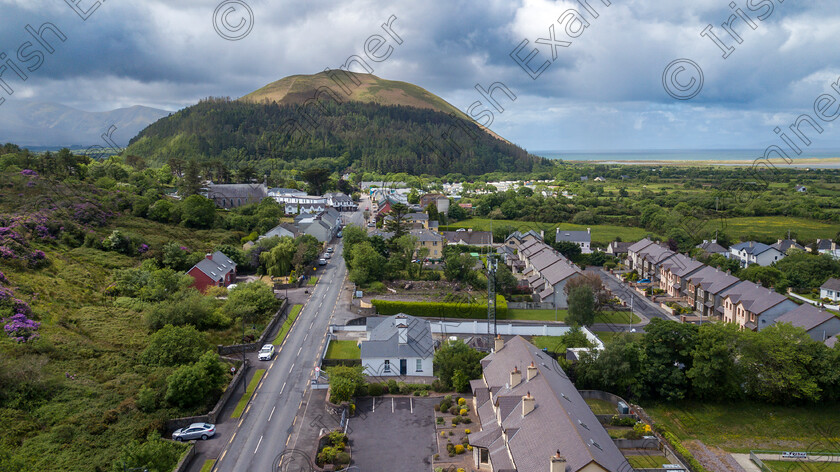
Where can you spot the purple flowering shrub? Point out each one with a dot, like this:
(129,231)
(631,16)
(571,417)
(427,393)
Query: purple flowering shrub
(20,328)
(29,173)
(3,279)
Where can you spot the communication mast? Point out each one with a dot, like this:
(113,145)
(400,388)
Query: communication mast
(492,265)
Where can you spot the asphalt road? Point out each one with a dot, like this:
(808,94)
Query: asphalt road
(641,305)
(262,434)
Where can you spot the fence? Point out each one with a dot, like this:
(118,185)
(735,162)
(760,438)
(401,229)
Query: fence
(184,463)
(759,463)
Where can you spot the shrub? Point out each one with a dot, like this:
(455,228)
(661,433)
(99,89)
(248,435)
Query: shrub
(618,421)
(440,309)
(463,412)
(437,407)
(456,420)
(453,410)
(375,389)
(175,345)
(466,420)
(467,431)
(146,400)
(444,406)
(462,401)
(393,388)
(459,449)
(442,433)
(439,420)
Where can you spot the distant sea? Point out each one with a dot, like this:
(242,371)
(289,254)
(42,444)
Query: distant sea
(744,155)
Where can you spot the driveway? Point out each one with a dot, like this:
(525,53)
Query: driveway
(394,433)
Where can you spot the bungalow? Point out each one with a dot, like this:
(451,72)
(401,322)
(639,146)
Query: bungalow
(215,270)
(581,238)
(469,237)
(827,246)
(235,195)
(831,290)
(754,307)
(674,271)
(281,230)
(818,323)
(532,418)
(705,289)
(751,252)
(399,345)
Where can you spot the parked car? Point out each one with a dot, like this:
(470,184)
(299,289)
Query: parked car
(644,281)
(322,262)
(371,225)
(330,249)
(267,352)
(327,256)
(340,234)
(201,431)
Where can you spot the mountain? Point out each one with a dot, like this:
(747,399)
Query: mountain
(37,124)
(306,120)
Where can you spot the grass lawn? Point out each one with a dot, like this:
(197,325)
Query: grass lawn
(618,317)
(601,407)
(603,233)
(252,385)
(208,465)
(794,466)
(312,280)
(740,427)
(608,336)
(287,325)
(343,350)
(647,462)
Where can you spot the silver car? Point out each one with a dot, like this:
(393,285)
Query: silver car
(195,431)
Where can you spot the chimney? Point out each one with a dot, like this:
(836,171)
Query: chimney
(532,371)
(589,230)
(728,272)
(542,234)
(515,377)
(752,243)
(558,463)
(499,344)
(402,330)
(209,257)
(527,404)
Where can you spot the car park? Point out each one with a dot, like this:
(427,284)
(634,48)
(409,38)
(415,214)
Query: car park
(267,352)
(201,431)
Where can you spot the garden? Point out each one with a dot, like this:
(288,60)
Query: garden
(454,419)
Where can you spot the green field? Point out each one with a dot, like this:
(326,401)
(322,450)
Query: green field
(793,466)
(343,350)
(741,427)
(618,317)
(608,336)
(287,325)
(647,461)
(252,385)
(601,407)
(768,226)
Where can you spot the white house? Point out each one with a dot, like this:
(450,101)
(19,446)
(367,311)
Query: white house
(399,345)
(751,252)
(581,238)
(831,290)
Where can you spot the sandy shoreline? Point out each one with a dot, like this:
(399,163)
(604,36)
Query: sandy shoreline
(802,162)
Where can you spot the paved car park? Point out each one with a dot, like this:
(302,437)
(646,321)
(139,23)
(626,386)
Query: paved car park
(393,433)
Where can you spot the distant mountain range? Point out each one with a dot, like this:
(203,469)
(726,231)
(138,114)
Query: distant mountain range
(304,120)
(50,125)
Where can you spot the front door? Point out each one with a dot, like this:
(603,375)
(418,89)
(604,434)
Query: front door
(403,367)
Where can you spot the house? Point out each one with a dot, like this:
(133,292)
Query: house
(651,258)
(215,270)
(581,238)
(818,323)
(751,252)
(469,237)
(235,195)
(417,220)
(340,201)
(532,418)
(600,179)
(518,239)
(634,254)
(800,188)
(618,248)
(554,280)
(399,345)
(674,271)
(782,245)
(712,247)
(322,226)
(827,246)
(754,307)
(705,288)
(281,230)
(831,290)
(431,240)
(440,200)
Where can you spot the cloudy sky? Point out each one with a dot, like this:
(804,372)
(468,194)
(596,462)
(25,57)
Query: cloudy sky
(600,90)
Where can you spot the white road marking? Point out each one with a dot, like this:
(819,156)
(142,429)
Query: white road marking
(292,367)
(272,413)
(392,404)
(307,335)
(301,348)
(258,445)
(281,389)
(411,403)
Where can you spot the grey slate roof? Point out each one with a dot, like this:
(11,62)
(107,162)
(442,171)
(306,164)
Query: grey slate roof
(823,244)
(751,247)
(755,298)
(712,280)
(831,284)
(785,244)
(681,265)
(639,245)
(472,238)
(656,254)
(830,342)
(383,338)
(805,316)
(712,247)
(254,192)
(425,235)
(561,419)
(558,272)
(620,247)
(217,267)
(573,236)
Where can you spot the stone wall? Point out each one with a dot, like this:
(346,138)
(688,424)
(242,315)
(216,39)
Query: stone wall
(213,415)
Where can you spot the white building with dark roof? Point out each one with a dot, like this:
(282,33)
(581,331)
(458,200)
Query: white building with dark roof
(399,345)
(235,195)
(818,323)
(831,290)
(581,238)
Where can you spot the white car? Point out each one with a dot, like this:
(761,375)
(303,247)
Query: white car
(322,262)
(327,256)
(267,352)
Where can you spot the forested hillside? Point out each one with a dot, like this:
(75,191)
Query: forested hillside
(366,136)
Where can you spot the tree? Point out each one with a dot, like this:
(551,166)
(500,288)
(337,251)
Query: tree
(668,348)
(198,212)
(191,182)
(413,196)
(344,382)
(456,362)
(568,249)
(432,211)
(396,223)
(581,306)
(175,256)
(715,373)
(155,455)
(316,178)
(175,345)
(278,261)
(506,282)
(160,211)
(596,285)
(456,213)
(457,267)
(767,276)
(254,300)
(367,264)
(616,369)
(192,385)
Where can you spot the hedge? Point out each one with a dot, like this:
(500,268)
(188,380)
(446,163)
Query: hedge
(681,451)
(441,309)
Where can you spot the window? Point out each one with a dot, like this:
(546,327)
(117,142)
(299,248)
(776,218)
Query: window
(387,368)
(752,317)
(418,365)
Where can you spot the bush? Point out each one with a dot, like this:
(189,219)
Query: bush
(444,406)
(462,401)
(344,381)
(618,421)
(192,385)
(456,421)
(463,412)
(440,309)
(453,410)
(175,345)
(467,431)
(693,463)
(375,389)
(459,449)
(392,387)
(146,400)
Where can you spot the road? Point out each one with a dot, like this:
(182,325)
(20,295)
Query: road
(641,305)
(263,432)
